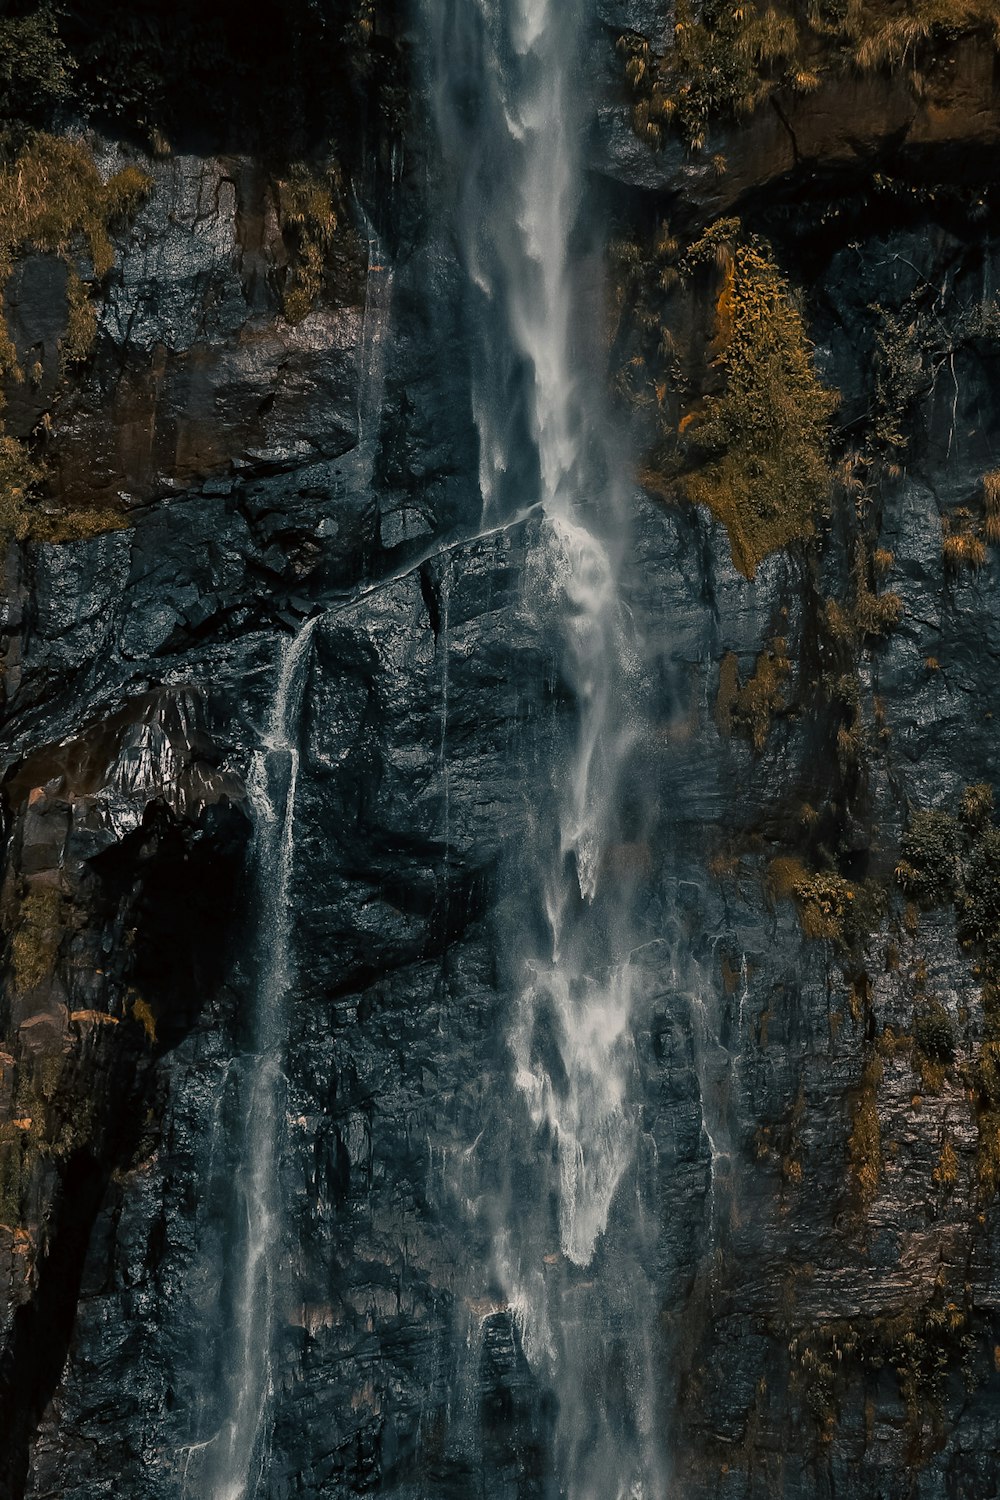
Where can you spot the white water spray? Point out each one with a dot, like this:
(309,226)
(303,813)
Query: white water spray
(518,249)
(511,130)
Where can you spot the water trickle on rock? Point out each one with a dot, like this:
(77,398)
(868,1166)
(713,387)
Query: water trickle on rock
(235,1459)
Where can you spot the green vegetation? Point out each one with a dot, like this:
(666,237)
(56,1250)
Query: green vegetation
(152,72)
(877,614)
(81,323)
(912,344)
(874,614)
(933,1045)
(898,361)
(360,34)
(762,443)
(141,73)
(791,1157)
(727,58)
(945,1174)
(53,198)
(721,66)
(826,903)
(51,1119)
(966,534)
(20,481)
(928,868)
(741,417)
(979,899)
(37,937)
(763,695)
(56,1109)
(831,908)
(947,859)
(988,1153)
(749,709)
(35,67)
(991,504)
(984,1081)
(976,806)
(15,1168)
(143,1013)
(643,281)
(880,34)
(961,545)
(921,1345)
(307,206)
(848,626)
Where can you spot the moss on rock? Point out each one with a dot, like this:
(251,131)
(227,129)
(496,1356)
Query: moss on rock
(762,442)
(37,937)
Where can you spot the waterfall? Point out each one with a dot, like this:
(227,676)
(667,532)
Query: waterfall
(507,102)
(235,1461)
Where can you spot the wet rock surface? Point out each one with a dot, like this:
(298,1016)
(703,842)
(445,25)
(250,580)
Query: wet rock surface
(818,1332)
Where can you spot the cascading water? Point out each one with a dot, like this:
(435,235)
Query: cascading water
(234,1461)
(511,134)
(231,1462)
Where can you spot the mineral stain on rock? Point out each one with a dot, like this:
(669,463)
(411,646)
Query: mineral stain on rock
(267,396)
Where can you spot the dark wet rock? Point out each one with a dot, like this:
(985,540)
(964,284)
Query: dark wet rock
(852,122)
(119,838)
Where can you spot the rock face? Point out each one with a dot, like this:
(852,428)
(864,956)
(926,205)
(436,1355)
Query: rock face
(826,1244)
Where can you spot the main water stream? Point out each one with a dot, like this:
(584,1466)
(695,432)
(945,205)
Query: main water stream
(511,127)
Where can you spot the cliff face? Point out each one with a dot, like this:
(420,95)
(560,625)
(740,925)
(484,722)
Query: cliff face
(271,421)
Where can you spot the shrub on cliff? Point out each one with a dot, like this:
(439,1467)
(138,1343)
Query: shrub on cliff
(947,860)
(763,440)
(35,68)
(929,869)
(729,56)
(980,899)
(52,197)
(934,1034)
(720,67)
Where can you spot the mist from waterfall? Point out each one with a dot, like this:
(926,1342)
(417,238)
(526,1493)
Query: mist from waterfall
(511,126)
